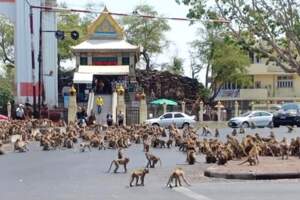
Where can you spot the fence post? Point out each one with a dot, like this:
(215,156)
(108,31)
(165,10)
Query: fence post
(9,110)
(219,106)
(236,109)
(72,108)
(201,112)
(165,108)
(143,109)
(183,106)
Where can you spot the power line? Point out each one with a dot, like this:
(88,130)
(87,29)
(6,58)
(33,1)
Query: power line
(135,14)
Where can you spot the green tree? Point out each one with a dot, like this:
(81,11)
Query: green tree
(176,66)
(6,41)
(67,22)
(6,86)
(271,28)
(146,32)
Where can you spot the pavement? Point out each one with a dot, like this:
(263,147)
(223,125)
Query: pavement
(268,168)
(70,175)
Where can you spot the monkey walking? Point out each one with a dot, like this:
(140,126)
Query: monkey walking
(83,146)
(138,174)
(177,174)
(152,160)
(117,163)
(206,131)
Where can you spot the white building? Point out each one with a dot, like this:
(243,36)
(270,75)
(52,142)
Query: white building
(18,12)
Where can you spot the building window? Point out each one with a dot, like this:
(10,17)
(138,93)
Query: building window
(105,61)
(83,60)
(125,60)
(285,81)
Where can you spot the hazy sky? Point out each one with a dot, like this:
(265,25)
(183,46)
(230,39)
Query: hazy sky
(180,35)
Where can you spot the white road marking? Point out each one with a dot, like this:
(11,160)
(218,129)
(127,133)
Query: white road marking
(193,195)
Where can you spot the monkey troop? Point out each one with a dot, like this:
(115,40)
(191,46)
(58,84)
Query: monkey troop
(117,163)
(176,175)
(152,160)
(138,174)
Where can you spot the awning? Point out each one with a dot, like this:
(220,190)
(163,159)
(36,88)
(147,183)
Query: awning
(104,70)
(82,78)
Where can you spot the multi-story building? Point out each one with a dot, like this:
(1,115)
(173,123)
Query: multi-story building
(269,85)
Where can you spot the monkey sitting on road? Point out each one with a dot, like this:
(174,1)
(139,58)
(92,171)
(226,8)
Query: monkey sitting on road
(84,145)
(206,131)
(234,132)
(177,174)
(20,146)
(290,129)
(152,160)
(284,149)
(242,130)
(117,163)
(1,150)
(191,157)
(169,143)
(137,174)
(217,133)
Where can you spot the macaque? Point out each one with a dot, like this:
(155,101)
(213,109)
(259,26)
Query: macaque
(117,163)
(242,130)
(83,146)
(146,147)
(138,174)
(152,160)
(1,150)
(217,133)
(20,146)
(169,143)
(284,149)
(177,174)
(191,157)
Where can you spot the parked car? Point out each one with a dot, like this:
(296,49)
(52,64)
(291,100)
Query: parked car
(180,119)
(3,118)
(289,114)
(258,118)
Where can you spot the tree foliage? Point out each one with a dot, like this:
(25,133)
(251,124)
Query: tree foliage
(271,28)
(146,32)
(176,66)
(6,41)
(6,86)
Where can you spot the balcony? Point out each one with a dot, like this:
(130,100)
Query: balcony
(243,94)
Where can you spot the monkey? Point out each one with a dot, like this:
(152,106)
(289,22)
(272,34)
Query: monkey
(169,143)
(290,129)
(20,146)
(1,150)
(152,160)
(252,125)
(120,153)
(84,145)
(138,174)
(146,147)
(191,157)
(119,162)
(217,133)
(206,131)
(234,132)
(251,160)
(284,149)
(177,174)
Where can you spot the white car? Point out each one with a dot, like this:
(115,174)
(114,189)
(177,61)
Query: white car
(258,118)
(180,119)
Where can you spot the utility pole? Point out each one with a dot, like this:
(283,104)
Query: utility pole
(32,61)
(40,60)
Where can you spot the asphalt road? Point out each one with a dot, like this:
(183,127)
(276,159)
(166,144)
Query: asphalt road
(70,175)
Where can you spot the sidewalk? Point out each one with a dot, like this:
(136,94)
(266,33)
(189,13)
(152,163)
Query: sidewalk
(268,168)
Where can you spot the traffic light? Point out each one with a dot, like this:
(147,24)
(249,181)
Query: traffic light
(74,35)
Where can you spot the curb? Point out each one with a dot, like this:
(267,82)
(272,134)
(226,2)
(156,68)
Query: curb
(252,175)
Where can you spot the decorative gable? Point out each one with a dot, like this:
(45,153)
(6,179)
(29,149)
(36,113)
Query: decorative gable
(104,28)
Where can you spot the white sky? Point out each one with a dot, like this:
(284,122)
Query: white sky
(180,35)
